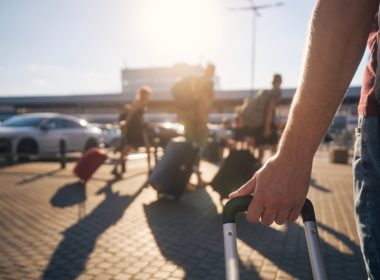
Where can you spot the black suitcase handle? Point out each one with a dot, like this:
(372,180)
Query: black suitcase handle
(241,204)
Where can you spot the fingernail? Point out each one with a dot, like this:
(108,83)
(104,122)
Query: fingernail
(231,195)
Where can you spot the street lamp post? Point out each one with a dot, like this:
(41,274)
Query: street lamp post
(255,13)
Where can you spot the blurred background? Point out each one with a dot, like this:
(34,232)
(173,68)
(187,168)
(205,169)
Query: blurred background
(87,58)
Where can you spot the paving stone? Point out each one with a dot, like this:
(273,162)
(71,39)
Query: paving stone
(127,234)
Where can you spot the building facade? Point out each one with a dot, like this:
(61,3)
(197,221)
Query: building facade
(105,107)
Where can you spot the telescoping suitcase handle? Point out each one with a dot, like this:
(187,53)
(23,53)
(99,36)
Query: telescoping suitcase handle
(240,204)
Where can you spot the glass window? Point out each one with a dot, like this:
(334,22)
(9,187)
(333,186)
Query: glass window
(22,121)
(54,123)
(71,124)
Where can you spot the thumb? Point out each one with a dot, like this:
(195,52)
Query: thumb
(246,189)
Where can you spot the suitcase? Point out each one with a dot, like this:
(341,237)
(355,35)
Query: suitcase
(214,151)
(172,172)
(240,204)
(236,169)
(89,163)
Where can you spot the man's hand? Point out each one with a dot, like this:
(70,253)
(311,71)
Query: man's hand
(279,189)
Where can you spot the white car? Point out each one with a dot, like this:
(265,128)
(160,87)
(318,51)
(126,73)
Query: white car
(46,134)
(111,135)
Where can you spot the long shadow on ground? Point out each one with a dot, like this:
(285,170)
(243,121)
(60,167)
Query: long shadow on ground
(69,195)
(69,259)
(189,234)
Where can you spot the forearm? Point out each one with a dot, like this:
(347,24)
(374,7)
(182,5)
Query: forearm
(336,43)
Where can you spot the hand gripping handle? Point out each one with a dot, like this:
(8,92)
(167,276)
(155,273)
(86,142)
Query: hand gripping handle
(241,204)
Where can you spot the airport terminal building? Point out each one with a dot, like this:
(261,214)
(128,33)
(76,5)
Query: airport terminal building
(105,107)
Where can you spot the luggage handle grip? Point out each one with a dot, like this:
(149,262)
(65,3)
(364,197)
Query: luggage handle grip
(240,204)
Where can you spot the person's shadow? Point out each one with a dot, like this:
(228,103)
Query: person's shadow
(69,195)
(189,234)
(314,184)
(287,249)
(70,257)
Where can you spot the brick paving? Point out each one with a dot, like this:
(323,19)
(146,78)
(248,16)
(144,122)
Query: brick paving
(50,228)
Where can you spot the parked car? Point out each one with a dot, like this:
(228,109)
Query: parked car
(45,134)
(111,135)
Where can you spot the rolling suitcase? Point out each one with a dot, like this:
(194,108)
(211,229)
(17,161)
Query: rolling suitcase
(214,151)
(89,163)
(172,172)
(240,204)
(236,169)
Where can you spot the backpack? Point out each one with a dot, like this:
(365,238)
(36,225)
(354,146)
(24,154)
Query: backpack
(253,112)
(183,92)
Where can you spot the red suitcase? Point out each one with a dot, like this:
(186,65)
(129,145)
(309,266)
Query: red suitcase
(89,163)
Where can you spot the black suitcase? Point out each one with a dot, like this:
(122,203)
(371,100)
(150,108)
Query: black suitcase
(240,204)
(214,152)
(172,172)
(237,169)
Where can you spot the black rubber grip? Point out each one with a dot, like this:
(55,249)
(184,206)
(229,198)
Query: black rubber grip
(240,204)
(307,212)
(234,206)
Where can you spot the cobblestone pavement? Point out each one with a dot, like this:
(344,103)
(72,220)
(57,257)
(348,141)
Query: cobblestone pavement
(50,228)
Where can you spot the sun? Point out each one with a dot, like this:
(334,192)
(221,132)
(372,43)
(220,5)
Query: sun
(180,27)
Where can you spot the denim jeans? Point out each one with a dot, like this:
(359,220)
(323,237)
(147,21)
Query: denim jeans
(366,169)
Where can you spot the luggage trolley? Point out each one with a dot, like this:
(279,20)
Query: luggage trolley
(240,204)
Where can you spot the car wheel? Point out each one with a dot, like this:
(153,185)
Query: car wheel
(26,148)
(91,143)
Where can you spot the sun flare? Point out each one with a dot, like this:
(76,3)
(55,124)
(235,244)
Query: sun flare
(180,27)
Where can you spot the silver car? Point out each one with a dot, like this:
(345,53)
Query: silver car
(45,134)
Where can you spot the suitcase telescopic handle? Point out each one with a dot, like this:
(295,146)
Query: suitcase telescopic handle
(241,204)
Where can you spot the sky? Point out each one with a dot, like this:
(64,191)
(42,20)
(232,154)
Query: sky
(63,47)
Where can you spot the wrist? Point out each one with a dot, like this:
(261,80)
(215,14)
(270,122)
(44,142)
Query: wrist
(296,148)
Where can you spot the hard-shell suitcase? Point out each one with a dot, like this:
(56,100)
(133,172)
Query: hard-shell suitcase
(172,172)
(240,204)
(89,163)
(213,151)
(236,169)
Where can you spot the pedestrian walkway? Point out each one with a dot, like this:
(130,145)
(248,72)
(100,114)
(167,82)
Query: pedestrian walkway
(51,228)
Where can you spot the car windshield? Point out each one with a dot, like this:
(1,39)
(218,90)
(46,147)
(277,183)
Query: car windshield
(21,121)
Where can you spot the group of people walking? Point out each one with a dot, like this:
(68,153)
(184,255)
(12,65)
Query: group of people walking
(193,98)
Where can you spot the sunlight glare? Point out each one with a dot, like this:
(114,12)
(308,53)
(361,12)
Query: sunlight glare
(180,27)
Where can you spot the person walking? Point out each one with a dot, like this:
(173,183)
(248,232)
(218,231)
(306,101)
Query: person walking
(133,128)
(268,133)
(198,95)
(335,46)
(197,130)
(258,117)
